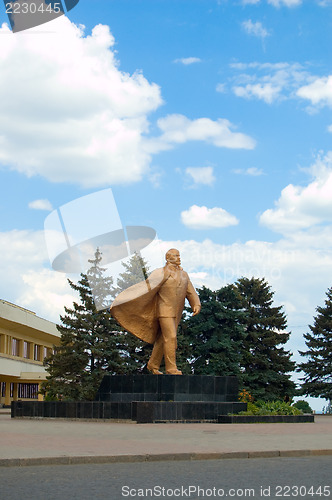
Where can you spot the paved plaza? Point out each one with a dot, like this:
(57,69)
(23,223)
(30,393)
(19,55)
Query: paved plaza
(43,441)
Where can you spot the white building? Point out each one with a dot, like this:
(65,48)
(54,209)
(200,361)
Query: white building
(25,340)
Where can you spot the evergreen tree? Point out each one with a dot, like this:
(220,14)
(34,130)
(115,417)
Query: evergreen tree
(216,334)
(265,364)
(88,344)
(136,270)
(317,381)
(135,353)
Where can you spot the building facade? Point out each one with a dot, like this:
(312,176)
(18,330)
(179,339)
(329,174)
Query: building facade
(25,340)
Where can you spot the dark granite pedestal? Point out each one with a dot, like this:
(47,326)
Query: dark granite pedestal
(172,398)
(146,399)
(128,388)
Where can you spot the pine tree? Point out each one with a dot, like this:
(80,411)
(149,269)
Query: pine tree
(215,335)
(136,270)
(265,364)
(88,345)
(317,381)
(135,353)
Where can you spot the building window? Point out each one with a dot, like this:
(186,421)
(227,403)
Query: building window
(36,352)
(28,391)
(26,350)
(15,347)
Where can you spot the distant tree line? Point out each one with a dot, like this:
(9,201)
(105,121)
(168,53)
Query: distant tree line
(238,332)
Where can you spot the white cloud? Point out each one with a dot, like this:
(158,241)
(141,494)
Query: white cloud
(221,87)
(266,66)
(319,92)
(279,3)
(329,128)
(178,129)
(269,82)
(199,276)
(76,117)
(286,3)
(25,278)
(266,92)
(252,171)
(255,29)
(47,292)
(201,175)
(188,60)
(301,207)
(41,205)
(155,176)
(207,218)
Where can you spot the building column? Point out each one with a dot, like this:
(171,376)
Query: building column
(21,348)
(7,394)
(15,391)
(29,350)
(2,343)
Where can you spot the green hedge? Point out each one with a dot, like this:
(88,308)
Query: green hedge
(271,408)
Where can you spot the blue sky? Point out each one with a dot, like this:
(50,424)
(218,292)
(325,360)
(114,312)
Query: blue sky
(209,120)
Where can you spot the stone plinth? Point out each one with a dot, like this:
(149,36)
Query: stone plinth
(173,398)
(179,388)
(147,399)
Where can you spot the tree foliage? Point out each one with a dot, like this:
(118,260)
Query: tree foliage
(303,406)
(215,335)
(265,364)
(317,381)
(239,332)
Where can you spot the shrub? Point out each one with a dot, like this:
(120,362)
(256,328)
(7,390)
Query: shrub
(303,405)
(271,408)
(245,396)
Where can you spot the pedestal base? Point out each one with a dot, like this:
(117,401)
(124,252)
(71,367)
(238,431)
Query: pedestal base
(128,388)
(173,398)
(147,399)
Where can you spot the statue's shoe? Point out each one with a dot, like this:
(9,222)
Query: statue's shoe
(154,371)
(174,372)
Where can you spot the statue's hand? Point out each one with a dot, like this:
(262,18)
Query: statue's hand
(196,310)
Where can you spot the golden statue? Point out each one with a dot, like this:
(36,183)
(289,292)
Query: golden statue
(151,310)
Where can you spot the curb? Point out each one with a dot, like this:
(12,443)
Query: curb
(110,459)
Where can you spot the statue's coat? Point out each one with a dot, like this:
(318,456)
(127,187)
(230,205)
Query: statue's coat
(138,308)
(135,308)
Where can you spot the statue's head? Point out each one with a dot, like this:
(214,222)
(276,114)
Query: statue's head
(173,256)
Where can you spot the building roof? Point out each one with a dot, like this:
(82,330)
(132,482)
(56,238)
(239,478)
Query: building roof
(16,318)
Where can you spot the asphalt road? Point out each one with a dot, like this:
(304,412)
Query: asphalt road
(274,478)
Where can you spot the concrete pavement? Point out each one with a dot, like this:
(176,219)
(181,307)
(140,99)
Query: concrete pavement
(57,441)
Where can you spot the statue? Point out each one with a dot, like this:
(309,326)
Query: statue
(151,310)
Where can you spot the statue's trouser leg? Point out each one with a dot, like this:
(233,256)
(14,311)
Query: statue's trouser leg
(157,354)
(168,330)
